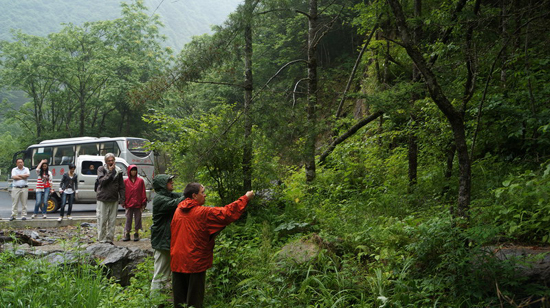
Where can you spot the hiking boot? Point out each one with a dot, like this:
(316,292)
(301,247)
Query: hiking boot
(126,237)
(33,216)
(136,237)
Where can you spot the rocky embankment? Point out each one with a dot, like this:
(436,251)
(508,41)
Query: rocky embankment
(76,244)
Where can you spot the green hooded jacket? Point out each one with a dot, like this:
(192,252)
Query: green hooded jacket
(165,204)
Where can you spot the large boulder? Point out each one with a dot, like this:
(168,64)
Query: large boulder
(531,262)
(119,261)
(302,250)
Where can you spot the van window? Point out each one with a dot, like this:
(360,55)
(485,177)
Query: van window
(90,167)
(88,149)
(109,147)
(63,155)
(40,154)
(138,147)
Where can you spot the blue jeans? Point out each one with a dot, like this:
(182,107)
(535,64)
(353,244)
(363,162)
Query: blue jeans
(67,198)
(42,200)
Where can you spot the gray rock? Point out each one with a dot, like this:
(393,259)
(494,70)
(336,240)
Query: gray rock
(119,261)
(109,254)
(62,258)
(531,262)
(299,251)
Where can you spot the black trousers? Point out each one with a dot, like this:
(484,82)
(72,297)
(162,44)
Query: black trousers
(188,289)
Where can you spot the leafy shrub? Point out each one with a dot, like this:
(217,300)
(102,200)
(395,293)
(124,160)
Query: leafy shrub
(522,206)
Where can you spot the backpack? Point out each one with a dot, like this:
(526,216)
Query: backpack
(96,185)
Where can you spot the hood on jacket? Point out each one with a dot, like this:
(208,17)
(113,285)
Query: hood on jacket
(187,204)
(160,181)
(130,168)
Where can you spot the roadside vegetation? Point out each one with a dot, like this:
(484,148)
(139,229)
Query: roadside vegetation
(379,247)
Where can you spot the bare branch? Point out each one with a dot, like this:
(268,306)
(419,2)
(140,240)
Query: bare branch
(348,134)
(303,13)
(354,70)
(221,83)
(294,91)
(327,28)
(277,73)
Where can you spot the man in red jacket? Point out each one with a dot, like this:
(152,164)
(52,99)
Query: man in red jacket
(193,229)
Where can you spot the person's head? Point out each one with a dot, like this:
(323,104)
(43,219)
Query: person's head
(110,159)
(72,167)
(195,191)
(170,184)
(133,172)
(44,170)
(92,167)
(19,162)
(160,183)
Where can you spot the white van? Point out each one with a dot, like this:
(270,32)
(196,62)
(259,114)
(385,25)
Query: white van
(86,181)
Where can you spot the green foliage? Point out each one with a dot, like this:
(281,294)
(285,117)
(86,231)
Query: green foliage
(88,94)
(521,206)
(33,282)
(137,293)
(37,283)
(9,145)
(207,147)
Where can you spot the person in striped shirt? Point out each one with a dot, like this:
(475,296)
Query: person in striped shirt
(43,186)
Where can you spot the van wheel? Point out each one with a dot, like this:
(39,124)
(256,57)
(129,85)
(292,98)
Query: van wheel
(53,205)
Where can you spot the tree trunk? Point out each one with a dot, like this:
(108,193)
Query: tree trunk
(454,117)
(412,142)
(82,110)
(248,88)
(311,133)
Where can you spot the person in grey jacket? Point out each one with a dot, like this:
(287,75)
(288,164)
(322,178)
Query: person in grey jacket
(165,203)
(110,192)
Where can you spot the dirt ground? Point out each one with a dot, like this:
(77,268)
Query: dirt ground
(58,238)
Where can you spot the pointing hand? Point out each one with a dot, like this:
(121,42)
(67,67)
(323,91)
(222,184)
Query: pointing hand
(250,194)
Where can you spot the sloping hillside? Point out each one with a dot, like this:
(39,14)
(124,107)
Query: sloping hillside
(182,18)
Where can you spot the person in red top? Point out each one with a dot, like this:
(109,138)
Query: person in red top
(135,202)
(43,187)
(193,230)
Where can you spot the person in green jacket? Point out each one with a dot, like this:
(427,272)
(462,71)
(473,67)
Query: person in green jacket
(165,204)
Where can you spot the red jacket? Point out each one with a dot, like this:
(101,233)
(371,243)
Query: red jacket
(193,233)
(135,191)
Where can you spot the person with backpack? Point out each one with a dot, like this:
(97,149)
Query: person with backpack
(68,188)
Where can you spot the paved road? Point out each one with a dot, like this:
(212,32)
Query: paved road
(85,210)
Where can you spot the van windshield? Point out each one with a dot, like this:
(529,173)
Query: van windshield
(138,147)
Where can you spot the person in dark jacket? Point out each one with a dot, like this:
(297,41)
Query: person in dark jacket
(165,203)
(110,192)
(68,189)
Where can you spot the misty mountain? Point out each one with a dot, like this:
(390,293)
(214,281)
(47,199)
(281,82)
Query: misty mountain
(182,18)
